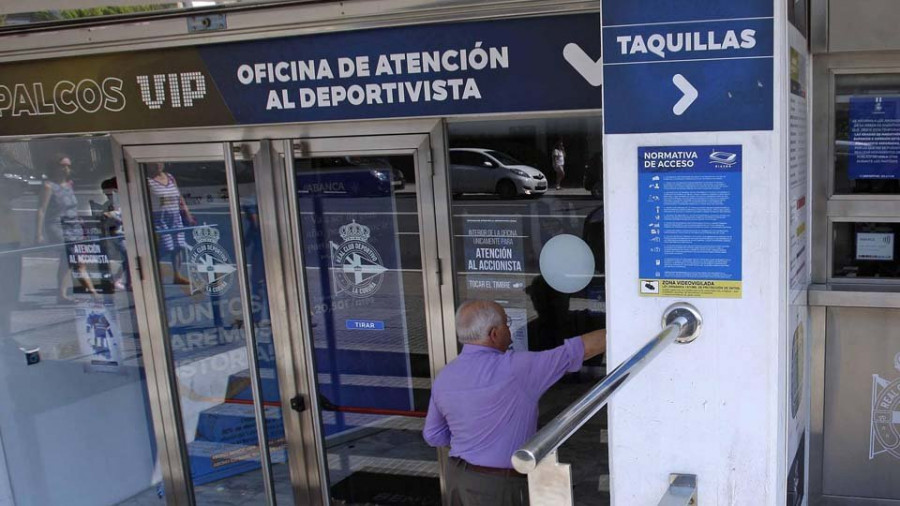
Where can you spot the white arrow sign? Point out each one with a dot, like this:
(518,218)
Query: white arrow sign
(589,69)
(690,94)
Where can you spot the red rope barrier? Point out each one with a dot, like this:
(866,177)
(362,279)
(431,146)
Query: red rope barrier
(344,409)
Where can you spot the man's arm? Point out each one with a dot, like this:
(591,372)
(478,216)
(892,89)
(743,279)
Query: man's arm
(539,370)
(436,431)
(594,343)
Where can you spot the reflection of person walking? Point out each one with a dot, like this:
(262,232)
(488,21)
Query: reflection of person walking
(170,212)
(58,222)
(111,221)
(559,163)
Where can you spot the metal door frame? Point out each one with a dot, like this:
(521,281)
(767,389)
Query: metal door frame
(153,330)
(420,147)
(425,139)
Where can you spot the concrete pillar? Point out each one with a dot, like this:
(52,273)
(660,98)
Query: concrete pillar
(710,126)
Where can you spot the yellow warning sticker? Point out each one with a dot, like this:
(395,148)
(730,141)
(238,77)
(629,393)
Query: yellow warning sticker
(698,288)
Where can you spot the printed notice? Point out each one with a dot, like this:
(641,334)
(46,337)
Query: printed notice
(494,245)
(99,337)
(519,327)
(690,221)
(874,137)
(875,246)
(798,170)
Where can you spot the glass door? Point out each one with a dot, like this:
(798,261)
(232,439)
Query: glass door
(205,285)
(363,226)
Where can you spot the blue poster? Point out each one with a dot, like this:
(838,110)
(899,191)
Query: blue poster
(874,138)
(690,221)
(354,273)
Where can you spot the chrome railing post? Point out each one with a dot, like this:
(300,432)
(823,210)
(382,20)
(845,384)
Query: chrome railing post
(682,323)
(550,482)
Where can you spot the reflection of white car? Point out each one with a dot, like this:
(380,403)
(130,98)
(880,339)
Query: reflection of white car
(476,170)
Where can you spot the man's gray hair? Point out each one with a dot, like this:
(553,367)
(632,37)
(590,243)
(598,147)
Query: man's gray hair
(475,319)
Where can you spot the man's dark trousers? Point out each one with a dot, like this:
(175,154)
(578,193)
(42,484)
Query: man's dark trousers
(471,486)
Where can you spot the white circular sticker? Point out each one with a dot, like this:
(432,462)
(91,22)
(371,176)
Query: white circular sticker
(567,263)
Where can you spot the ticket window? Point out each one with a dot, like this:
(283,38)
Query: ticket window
(855,348)
(866,178)
(867,135)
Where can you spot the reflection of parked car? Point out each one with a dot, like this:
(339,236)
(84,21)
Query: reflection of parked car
(347,176)
(475,170)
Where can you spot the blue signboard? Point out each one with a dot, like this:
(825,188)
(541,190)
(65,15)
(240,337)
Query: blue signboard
(676,67)
(478,67)
(874,130)
(690,221)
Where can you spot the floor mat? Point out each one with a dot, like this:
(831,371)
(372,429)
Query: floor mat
(365,488)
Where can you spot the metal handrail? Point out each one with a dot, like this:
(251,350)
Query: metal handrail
(682,323)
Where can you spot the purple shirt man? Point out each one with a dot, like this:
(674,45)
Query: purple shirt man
(484,404)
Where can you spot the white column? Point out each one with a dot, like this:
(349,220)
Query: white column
(715,408)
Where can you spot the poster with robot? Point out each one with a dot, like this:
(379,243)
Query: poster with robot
(99,337)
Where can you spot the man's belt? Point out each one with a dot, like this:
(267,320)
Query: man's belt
(496,471)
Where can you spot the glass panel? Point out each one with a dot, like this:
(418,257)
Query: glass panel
(359,228)
(75,420)
(867,134)
(866,250)
(195,249)
(262,323)
(546,180)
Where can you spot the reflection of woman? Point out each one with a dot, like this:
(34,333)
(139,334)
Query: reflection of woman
(170,212)
(58,222)
(559,163)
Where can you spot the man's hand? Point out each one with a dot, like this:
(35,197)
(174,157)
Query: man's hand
(594,343)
